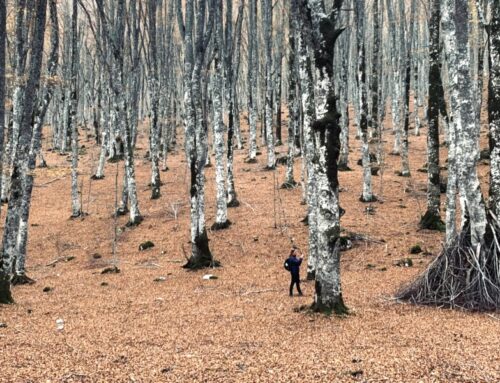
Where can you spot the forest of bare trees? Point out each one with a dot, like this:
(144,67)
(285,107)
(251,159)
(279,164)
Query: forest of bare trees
(212,78)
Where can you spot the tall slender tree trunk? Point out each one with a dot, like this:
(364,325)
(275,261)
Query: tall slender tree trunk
(267,20)
(20,164)
(76,209)
(494,107)
(253,75)
(432,219)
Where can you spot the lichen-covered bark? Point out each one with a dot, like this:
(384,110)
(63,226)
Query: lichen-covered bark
(3,40)
(367,195)
(253,66)
(494,107)
(219,128)
(328,294)
(154,89)
(267,20)
(73,123)
(36,142)
(20,164)
(309,115)
(456,28)
(436,99)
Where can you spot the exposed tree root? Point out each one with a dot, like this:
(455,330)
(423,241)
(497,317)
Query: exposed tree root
(136,221)
(337,308)
(22,279)
(461,276)
(289,185)
(95,177)
(201,256)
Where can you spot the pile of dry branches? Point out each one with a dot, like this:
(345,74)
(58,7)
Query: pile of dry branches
(462,276)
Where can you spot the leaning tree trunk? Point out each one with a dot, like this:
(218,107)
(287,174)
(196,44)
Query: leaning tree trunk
(432,218)
(328,293)
(20,276)
(20,164)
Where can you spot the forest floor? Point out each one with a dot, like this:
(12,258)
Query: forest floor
(243,326)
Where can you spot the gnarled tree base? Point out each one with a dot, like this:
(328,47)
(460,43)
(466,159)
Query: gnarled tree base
(96,177)
(201,256)
(22,279)
(461,276)
(432,221)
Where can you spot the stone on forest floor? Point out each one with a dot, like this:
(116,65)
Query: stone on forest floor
(3,325)
(47,289)
(111,270)
(146,245)
(209,276)
(160,279)
(404,262)
(416,249)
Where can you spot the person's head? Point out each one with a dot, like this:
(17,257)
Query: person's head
(292,252)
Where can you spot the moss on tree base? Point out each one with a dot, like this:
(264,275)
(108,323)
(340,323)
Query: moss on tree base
(5,294)
(233,203)
(432,221)
(220,225)
(338,308)
(136,221)
(373,198)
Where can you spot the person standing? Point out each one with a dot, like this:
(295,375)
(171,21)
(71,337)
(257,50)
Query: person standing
(294,263)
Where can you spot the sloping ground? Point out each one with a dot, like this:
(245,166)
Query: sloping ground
(241,327)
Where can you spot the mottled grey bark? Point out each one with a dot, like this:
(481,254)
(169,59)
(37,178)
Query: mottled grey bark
(253,74)
(20,276)
(406,59)
(432,218)
(328,292)
(154,91)
(3,41)
(494,107)
(367,194)
(219,129)
(196,144)
(20,164)
(267,21)
(456,29)
(76,209)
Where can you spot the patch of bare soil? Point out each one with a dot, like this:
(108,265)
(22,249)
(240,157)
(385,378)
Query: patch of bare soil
(156,322)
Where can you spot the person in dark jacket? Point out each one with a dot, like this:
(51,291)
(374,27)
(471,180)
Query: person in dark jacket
(294,265)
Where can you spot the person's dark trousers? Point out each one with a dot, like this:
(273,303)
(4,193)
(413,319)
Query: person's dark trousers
(295,281)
